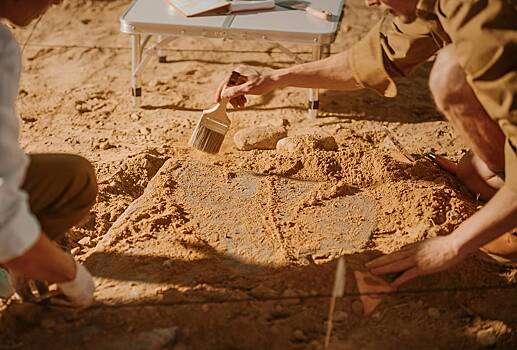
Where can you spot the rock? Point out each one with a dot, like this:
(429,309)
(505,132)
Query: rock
(85,241)
(75,251)
(265,137)
(299,143)
(433,312)
(357,307)
(486,337)
(299,335)
(135,116)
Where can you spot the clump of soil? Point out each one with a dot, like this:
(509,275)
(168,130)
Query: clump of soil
(120,183)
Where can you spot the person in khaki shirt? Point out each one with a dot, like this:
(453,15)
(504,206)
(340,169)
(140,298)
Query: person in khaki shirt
(474,84)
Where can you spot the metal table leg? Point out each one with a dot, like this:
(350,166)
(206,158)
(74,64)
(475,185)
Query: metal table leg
(136,56)
(162,57)
(314,102)
(318,52)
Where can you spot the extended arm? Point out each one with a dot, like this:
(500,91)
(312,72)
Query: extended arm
(439,253)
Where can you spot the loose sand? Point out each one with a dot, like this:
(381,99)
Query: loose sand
(237,250)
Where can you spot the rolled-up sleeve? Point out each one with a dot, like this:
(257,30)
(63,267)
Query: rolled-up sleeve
(390,50)
(19,228)
(484,34)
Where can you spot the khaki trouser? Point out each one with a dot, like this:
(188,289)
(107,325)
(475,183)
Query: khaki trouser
(62,189)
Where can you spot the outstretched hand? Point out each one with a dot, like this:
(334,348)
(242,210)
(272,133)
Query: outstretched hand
(250,82)
(474,174)
(418,259)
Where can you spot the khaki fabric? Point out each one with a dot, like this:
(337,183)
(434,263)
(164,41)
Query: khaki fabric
(484,34)
(62,189)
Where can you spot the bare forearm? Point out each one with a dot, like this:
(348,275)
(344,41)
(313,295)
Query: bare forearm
(498,216)
(44,261)
(332,73)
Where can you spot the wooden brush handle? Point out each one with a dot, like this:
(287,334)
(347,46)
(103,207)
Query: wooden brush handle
(234,79)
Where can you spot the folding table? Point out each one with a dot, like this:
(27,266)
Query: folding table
(146,18)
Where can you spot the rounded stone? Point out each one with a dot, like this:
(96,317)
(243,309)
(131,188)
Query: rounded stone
(299,143)
(264,137)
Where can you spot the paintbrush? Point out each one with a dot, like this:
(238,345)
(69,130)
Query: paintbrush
(213,125)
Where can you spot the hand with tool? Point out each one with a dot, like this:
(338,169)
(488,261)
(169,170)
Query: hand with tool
(250,82)
(479,105)
(41,195)
(46,262)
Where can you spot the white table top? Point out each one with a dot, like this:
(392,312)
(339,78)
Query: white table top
(279,24)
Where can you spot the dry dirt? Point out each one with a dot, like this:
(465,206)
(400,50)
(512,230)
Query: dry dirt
(238,250)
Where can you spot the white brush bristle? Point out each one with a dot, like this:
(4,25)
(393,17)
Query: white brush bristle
(205,138)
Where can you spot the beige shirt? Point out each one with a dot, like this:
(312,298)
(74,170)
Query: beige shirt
(19,228)
(484,34)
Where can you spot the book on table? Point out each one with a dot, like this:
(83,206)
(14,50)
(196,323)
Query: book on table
(195,7)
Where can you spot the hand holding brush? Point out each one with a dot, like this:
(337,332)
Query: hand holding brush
(209,133)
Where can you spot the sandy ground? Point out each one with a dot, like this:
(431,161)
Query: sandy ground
(238,250)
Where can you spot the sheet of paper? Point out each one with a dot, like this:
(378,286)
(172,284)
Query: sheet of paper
(195,7)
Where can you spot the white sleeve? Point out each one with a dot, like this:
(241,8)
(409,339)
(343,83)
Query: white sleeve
(19,228)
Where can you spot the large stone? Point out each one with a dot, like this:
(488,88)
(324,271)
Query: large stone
(298,143)
(263,137)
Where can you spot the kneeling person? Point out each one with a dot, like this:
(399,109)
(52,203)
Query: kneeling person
(41,196)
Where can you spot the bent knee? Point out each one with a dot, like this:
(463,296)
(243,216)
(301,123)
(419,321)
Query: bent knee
(84,181)
(447,81)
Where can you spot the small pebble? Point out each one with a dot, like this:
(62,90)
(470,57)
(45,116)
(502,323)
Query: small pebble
(486,337)
(135,116)
(75,251)
(85,241)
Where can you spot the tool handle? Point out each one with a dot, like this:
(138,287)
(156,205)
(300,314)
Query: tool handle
(232,81)
(321,14)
